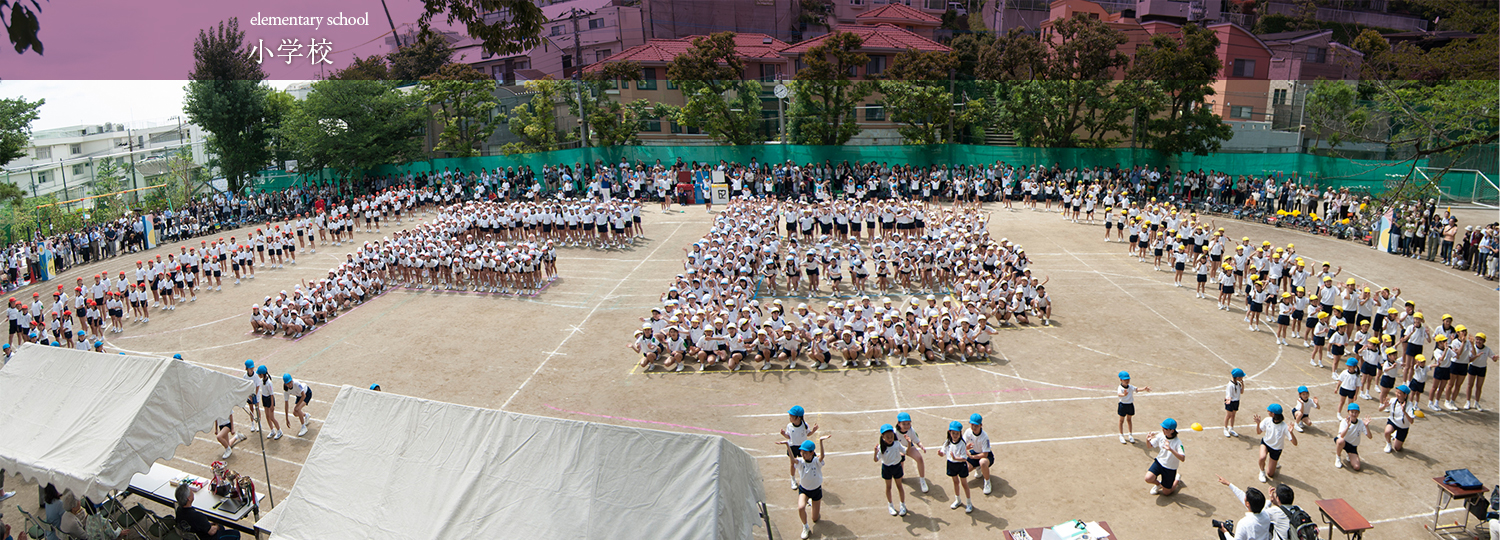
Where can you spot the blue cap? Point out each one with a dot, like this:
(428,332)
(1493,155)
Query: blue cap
(1404,389)
(1169,424)
(976,419)
(1274,408)
(1237,372)
(955,426)
(1352,362)
(174,357)
(121,354)
(261,370)
(903,417)
(286,378)
(101,344)
(809,446)
(886,427)
(57,344)
(1124,375)
(249,364)
(1353,406)
(796,410)
(374,387)
(7,346)
(1301,389)
(33,334)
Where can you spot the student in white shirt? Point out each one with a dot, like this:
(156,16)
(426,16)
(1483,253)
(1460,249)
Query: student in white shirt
(1274,431)
(1402,414)
(955,449)
(1302,411)
(980,456)
(810,481)
(1347,440)
(1126,408)
(1479,362)
(1162,475)
(890,452)
(298,394)
(914,448)
(268,401)
(795,432)
(1274,513)
(224,430)
(1232,393)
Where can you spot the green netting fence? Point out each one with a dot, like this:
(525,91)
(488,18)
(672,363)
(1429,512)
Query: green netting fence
(1368,175)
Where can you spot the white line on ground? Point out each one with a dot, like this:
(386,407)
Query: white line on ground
(180,329)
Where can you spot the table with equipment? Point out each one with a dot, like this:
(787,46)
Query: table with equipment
(1046,533)
(1448,493)
(157,485)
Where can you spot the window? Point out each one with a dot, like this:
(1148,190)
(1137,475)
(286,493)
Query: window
(567,61)
(601,54)
(876,66)
(653,126)
(853,71)
(875,112)
(768,72)
(78,170)
(522,64)
(75,149)
(1278,97)
(595,24)
(557,30)
(1242,112)
(648,80)
(41,177)
(679,128)
(856,2)
(1317,55)
(44,152)
(1244,68)
(671,84)
(936,4)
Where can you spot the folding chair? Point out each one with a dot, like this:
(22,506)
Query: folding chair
(133,518)
(37,528)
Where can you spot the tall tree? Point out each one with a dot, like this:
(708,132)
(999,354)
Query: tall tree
(718,99)
(915,92)
(109,177)
(226,98)
(825,93)
(16,116)
(503,26)
(351,126)
(612,123)
(1181,71)
(1073,101)
(424,57)
(464,101)
(535,121)
(369,68)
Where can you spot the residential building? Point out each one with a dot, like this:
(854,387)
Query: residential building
(882,42)
(1297,60)
(1372,13)
(603,28)
(677,19)
(63,162)
(920,17)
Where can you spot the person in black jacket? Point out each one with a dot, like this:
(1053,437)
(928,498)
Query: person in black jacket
(193,521)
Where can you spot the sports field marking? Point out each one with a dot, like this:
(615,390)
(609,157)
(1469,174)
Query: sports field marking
(351,333)
(252,450)
(653,422)
(621,281)
(133,336)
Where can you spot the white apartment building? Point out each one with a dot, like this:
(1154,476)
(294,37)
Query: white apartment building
(63,161)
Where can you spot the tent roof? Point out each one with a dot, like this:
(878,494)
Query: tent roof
(397,467)
(88,422)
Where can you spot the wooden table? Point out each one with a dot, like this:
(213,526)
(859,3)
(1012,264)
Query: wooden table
(1338,513)
(1036,532)
(1446,495)
(156,485)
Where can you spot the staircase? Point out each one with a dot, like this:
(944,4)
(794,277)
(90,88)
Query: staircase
(995,137)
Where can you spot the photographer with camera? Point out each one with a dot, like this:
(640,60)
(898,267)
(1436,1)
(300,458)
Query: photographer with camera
(1257,523)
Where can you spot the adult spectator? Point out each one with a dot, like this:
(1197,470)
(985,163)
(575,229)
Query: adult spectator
(191,520)
(1255,525)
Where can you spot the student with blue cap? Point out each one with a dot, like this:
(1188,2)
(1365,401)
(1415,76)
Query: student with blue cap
(1402,412)
(1274,432)
(956,450)
(980,456)
(375,387)
(298,394)
(1302,411)
(795,432)
(1348,382)
(1232,393)
(253,401)
(267,393)
(914,448)
(1126,408)
(809,466)
(1347,441)
(890,452)
(1162,475)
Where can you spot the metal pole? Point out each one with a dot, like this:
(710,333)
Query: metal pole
(1301,116)
(781,119)
(392,22)
(62,171)
(951,74)
(583,113)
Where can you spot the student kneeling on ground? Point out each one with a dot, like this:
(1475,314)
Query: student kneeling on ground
(193,521)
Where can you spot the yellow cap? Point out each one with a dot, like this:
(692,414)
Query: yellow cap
(1342,323)
(1350,282)
(1300,263)
(1419,316)
(1338,309)
(1322,315)
(1221,229)
(1245,239)
(1419,358)
(1300,289)
(1375,340)
(1326,263)
(1480,335)
(1327,279)
(1266,243)
(1386,339)
(1290,246)
(1447,316)
(1367,289)
(1393,311)
(1390,350)
(1286,295)
(1312,297)
(1440,337)
(1460,328)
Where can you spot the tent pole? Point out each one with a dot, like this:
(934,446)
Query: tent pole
(766,515)
(267,464)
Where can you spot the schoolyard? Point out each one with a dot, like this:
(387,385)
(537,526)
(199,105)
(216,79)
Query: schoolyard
(1047,398)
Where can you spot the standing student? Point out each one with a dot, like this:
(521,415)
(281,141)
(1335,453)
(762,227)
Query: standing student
(1479,361)
(1274,433)
(1232,393)
(1418,383)
(1162,475)
(1302,411)
(914,448)
(1399,423)
(1126,408)
(1441,363)
(955,449)
(809,465)
(980,456)
(890,452)
(254,399)
(1347,441)
(1348,382)
(268,401)
(298,394)
(795,432)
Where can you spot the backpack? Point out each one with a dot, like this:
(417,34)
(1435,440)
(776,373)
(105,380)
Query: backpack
(1302,526)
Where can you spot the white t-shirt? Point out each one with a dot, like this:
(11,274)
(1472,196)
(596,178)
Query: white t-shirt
(981,441)
(1273,434)
(810,473)
(894,453)
(1127,394)
(1352,431)
(1400,412)
(796,434)
(1164,456)
(1232,391)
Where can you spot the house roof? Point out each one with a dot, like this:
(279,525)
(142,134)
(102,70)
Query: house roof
(559,11)
(898,12)
(661,51)
(877,37)
(1293,37)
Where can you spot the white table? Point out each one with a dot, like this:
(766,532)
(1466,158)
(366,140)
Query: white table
(157,486)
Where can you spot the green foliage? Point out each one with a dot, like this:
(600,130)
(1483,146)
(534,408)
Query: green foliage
(815,13)
(1065,96)
(1180,72)
(16,116)
(225,96)
(916,95)
(22,25)
(504,26)
(178,184)
(716,99)
(426,56)
(966,51)
(611,123)
(465,105)
(11,193)
(1016,56)
(350,126)
(109,177)
(825,95)
(279,104)
(536,121)
(369,68)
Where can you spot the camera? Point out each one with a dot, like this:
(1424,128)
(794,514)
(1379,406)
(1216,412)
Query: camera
(1227,525)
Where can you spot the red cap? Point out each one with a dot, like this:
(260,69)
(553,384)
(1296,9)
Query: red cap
(34,295)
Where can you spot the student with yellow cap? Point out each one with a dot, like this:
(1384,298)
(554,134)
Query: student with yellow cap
(1479,361)
(1459,352)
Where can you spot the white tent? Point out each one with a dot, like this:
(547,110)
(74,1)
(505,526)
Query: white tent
(397,467)
(88,422)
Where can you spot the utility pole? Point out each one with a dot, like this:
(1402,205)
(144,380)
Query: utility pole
(62,170)
(952,73)
(583,113)
(394,34)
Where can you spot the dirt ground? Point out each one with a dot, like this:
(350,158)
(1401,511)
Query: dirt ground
(1047,398)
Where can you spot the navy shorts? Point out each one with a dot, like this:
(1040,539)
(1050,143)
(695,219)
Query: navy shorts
(1417,386)
(1347,393)
(974,459)
(893,472)
(1440,373)
(1387,381)
(306,398)
(1168,476)
(1413,349)
(1125,409)
(1475,371)
(1458,370)
(1283,320)
(1351,448)
(958,468)
(1271,452)
(1368,369)
(1319,340)
(814,494)
(1232,406)
(1400,431)
(268,401)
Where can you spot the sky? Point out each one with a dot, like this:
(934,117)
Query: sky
(73,103)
